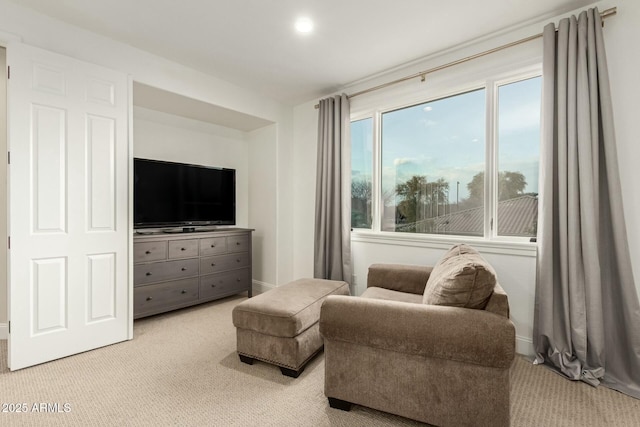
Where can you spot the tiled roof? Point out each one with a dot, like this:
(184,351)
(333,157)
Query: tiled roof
(516,217)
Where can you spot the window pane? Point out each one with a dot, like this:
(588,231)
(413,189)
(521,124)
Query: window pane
(433,160)
(361,164)
(518,157)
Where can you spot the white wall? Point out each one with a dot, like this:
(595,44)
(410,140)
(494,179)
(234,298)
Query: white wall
(516,268)
(304,160)
(285,210)
(263,212)
(621,35)
(162,136)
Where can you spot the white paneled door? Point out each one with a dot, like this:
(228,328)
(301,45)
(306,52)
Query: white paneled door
(68,206)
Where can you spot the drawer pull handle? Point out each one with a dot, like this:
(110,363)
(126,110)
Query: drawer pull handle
(148,274)
(238,243)
(213,264)
(238,260)
(149,298)
(184,269)
(183,292)
(213,286)
(147,252)
(213,246)
(182,249)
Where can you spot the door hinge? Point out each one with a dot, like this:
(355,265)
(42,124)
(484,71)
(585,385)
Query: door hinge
(9,157)
(9,242)
(491,224)
(9,72)
(9,326)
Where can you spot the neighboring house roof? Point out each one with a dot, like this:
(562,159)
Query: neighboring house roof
(516,217)
(519,216)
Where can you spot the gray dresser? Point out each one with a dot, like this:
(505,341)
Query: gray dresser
(173,271)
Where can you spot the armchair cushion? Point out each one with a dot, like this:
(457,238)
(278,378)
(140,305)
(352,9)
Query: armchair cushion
(462,278)
(399,277)
(391,295)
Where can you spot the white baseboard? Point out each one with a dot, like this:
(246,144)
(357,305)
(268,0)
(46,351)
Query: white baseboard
(261,287)
(524,346)
(4,331)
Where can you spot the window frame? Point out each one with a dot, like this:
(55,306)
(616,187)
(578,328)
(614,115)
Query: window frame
(491,81)
(495,154)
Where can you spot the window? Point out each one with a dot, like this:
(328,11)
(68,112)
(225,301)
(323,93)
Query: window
(361,177)
(464,164)
(518,157)
(429,154)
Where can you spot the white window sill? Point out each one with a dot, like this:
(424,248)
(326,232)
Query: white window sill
(503,247)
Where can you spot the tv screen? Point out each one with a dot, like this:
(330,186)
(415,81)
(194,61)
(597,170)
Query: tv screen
(176,194)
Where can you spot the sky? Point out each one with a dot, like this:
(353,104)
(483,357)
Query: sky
(445,138)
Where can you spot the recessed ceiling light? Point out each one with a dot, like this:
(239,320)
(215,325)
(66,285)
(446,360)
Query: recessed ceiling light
(304,25)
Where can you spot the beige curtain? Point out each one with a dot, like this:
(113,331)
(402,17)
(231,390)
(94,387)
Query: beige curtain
(332,249)
(587,315)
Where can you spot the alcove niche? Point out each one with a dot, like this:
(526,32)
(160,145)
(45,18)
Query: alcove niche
(172,127)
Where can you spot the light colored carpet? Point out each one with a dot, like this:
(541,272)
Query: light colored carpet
(181,369)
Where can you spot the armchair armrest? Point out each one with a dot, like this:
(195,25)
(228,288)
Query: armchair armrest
(399,277)
(449,333)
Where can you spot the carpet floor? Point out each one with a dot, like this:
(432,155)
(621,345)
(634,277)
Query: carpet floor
(181,369)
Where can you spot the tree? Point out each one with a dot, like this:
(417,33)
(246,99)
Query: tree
(476,191)
(361,189)
(361,203)
(421,199)
(510,185)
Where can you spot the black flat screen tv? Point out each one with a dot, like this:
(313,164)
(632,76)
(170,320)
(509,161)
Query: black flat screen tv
(168,194)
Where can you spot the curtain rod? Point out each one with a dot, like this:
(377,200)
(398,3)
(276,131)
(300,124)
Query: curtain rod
(423,74)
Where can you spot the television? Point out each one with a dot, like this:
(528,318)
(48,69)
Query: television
(168,194)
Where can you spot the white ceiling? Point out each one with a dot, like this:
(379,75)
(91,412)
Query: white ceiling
(252,43)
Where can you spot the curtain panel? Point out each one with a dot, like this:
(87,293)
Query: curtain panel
(332,243)
(587,314)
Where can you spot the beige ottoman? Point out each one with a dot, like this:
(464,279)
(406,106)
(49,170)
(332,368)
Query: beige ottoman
(281,326)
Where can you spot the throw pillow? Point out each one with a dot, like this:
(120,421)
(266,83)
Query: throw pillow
(462,278)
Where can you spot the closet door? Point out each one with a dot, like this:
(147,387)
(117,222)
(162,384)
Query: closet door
(69,288)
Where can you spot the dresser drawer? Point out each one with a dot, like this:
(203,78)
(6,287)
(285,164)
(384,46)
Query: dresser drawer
(164,295)
(149,251)
(218,263)
(172,271)
(238,243)
(161,271)
(224,283)
(213,246)
(183,248)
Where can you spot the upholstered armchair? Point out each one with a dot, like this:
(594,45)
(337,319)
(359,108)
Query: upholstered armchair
(393,349)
